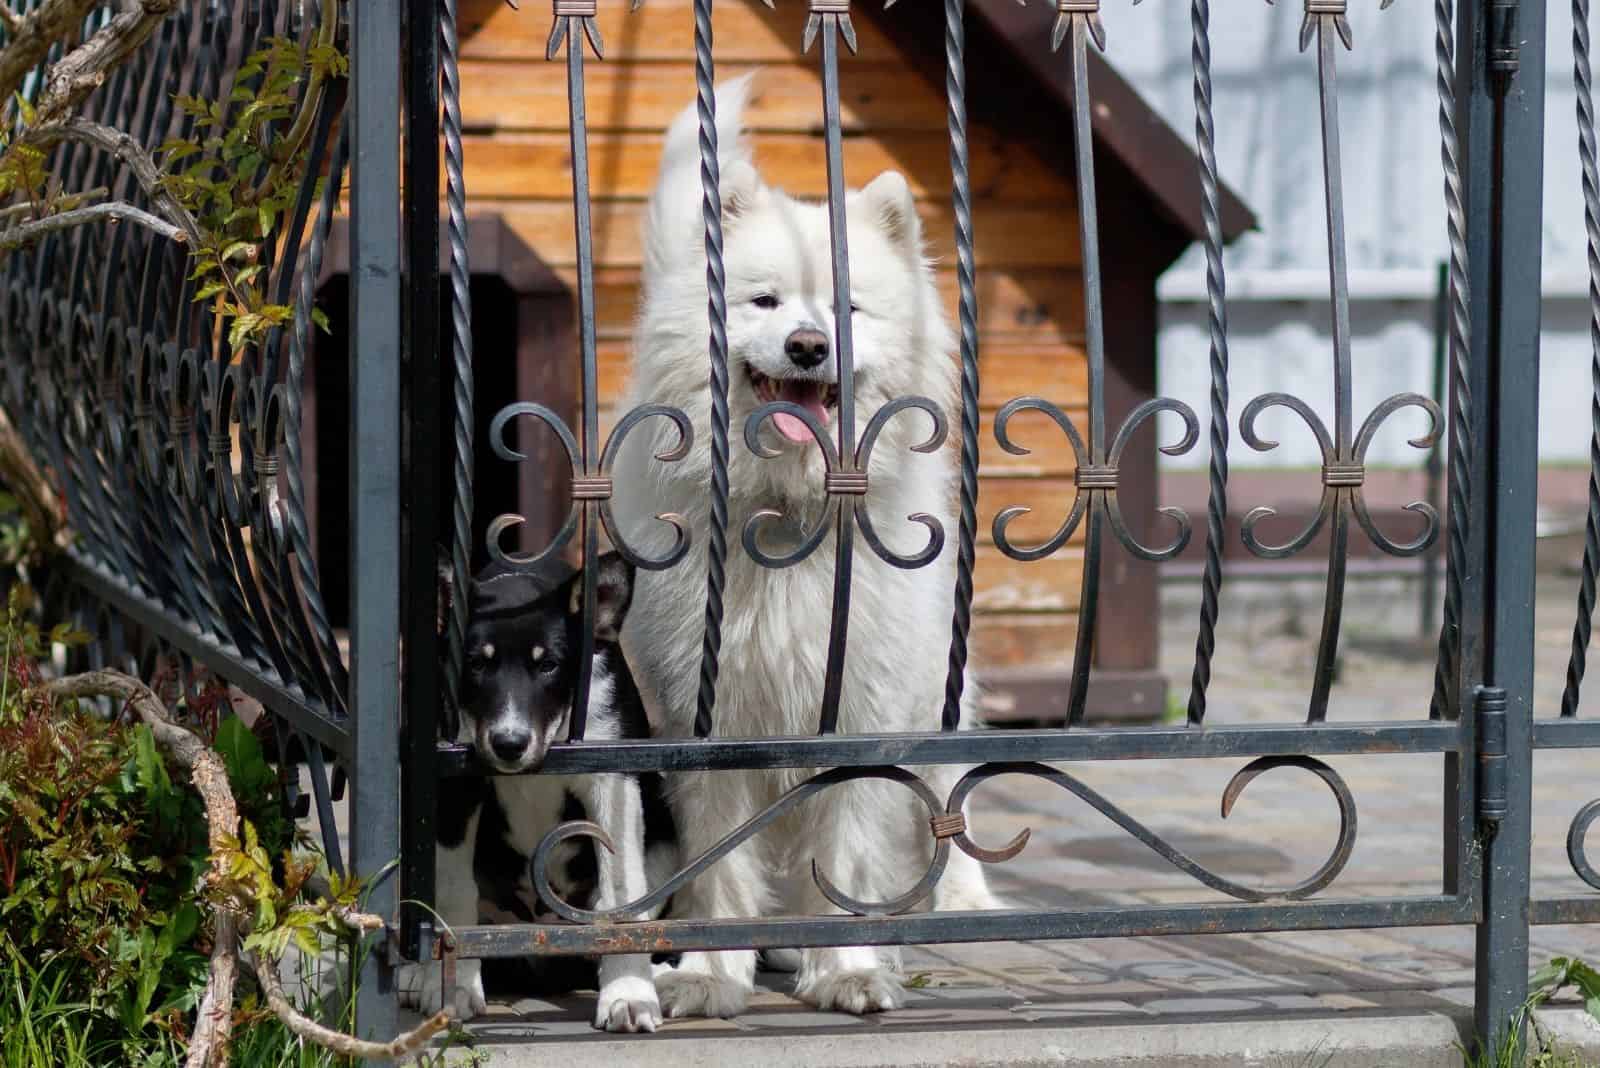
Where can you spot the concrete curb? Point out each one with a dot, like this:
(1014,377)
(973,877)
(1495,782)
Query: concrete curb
(1349,1040)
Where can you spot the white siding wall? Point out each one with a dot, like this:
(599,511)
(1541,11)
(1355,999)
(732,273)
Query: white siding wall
(1269,150)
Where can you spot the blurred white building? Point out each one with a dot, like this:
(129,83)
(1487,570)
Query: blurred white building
(1269,149)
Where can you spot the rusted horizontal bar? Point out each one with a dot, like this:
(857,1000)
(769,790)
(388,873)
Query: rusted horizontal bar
(515,940)
(1566,734)
(979,747)
(261,683)
(1547,911)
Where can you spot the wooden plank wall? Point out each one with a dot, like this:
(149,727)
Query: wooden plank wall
(1030,297)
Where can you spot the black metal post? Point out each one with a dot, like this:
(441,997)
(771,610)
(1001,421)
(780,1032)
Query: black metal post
(423,465)
(375,485)
(1433,467)
(1509,50)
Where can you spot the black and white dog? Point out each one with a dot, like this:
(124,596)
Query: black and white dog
(522,651)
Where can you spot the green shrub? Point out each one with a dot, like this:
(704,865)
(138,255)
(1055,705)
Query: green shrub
(104,942)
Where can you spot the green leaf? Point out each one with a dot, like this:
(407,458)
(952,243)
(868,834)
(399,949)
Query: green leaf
(25,110)
(209,290)
(320,318)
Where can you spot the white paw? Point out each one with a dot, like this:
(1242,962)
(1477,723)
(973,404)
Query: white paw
(692,993)
(858,992)
(422,988)
(628,1004)
(781,960)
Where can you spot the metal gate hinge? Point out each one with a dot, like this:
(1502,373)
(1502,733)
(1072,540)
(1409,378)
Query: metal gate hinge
(1490,707)
(1504,47)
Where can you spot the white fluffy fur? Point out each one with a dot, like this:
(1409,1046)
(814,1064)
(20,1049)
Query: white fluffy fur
(871,838)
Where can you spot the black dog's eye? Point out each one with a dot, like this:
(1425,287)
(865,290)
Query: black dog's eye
(766,301)
(549,665)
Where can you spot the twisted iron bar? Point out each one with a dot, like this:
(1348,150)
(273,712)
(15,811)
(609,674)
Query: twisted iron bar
(1217,321)
(967,312)
(1582,80)
(1445,681)
(717,311)
(947,824)
(461,354)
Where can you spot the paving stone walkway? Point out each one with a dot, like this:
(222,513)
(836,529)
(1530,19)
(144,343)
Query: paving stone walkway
(1280,831)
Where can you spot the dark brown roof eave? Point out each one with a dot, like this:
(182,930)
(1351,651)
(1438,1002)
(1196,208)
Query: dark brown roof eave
(1123,123)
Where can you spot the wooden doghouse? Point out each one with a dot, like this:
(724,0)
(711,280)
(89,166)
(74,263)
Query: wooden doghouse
(1030,286)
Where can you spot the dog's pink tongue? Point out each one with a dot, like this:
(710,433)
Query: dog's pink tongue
(807,395)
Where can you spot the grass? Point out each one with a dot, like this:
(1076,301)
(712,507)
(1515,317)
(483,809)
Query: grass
(1548,981)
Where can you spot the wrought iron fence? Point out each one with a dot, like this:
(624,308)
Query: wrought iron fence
(183,465)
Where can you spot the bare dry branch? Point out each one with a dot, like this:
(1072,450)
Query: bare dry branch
(26,233)
(38,497)
(83,70)
(214,1021)
(33,35)
(347,1045)
(132,154)
(62,203)
(9,18)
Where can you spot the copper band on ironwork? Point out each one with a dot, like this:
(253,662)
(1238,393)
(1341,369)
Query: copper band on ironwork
(182,424)
(143,410)
(591,489)
(830,7)
(1094,476)
(948,824)
(1343,474)
(1326,7)
(1078,7)
(221,444)
(266,464)
(853,483)
(579,8)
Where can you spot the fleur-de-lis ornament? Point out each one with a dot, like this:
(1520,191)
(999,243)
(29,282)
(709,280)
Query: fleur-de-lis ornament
(1084,13)
(1328,13)
(581,12)
(836,10)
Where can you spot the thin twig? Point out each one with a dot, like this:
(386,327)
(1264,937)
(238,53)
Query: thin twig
(66,203)
(402,1045)
(26,233)
(132,154)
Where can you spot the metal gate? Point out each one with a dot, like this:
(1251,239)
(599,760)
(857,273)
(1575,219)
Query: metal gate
(182,465)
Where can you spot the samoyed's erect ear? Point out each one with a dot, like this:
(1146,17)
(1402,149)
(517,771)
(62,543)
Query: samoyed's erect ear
(889,204)
(741,189)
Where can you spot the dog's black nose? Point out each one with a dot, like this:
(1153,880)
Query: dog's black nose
(807,347)
(509,745)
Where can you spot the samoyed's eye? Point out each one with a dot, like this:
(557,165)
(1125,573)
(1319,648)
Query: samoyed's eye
(766,301)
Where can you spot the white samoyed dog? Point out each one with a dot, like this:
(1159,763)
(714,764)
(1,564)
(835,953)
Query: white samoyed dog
(871,838)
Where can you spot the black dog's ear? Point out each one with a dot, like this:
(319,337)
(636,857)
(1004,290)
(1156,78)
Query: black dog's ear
(613,593)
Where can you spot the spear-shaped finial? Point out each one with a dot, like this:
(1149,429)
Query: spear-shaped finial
(1069,12)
